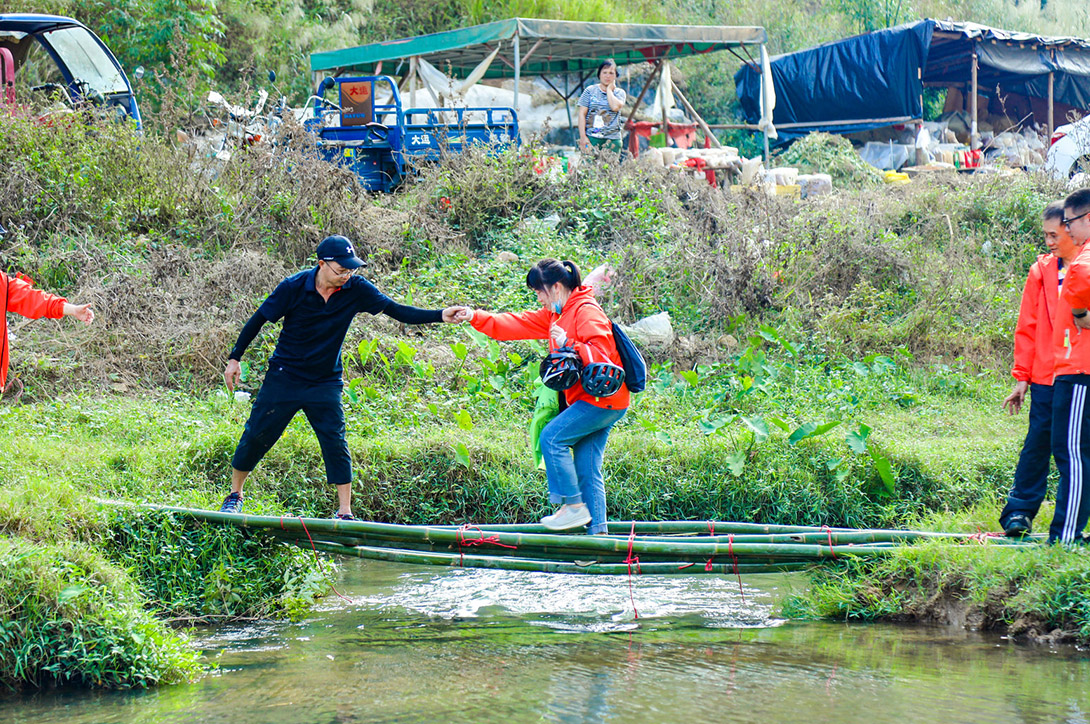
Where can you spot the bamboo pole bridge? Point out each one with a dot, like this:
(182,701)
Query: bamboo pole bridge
(670,547)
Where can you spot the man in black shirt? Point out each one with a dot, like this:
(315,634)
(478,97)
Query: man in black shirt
(317,307)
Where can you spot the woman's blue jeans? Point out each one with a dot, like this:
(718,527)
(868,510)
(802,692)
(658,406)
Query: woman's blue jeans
(572,445)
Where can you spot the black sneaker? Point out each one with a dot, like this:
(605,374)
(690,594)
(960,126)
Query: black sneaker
(1017,525)
(232,503)
(344,516)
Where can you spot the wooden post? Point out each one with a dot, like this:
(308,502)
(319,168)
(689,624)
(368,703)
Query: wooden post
(518,67)
(974,134)
(572,129)
(1051,109)
(696,116)
(643,91)
(665,122)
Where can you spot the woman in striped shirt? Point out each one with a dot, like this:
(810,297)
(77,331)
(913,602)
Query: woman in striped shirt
(600,110)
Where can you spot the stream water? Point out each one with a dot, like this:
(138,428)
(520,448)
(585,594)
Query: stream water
(413,644)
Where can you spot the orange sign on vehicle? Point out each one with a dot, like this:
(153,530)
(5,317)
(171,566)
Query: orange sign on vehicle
(357,102)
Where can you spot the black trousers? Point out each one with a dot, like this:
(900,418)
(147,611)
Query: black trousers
(1031,475)
(1071,448)
(276,404)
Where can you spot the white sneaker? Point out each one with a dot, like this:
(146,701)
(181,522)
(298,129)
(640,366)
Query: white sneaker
(567,517)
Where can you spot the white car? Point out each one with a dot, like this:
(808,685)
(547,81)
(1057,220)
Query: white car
(1069,154)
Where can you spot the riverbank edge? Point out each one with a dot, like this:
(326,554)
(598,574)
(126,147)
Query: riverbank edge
(1038,595)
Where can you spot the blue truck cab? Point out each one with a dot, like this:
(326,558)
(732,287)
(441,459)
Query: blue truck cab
(44,55)
(368,132)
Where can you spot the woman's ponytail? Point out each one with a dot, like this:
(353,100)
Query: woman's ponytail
(575,278)
(550,271)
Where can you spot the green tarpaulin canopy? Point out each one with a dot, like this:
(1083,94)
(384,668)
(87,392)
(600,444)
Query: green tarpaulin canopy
(538,47)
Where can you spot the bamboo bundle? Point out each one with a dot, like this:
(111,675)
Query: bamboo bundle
(531,564)
(646,547)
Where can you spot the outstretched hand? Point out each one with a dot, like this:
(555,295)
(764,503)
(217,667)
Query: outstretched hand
(82,312)
(457,315)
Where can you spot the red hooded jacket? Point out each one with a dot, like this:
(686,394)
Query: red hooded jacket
(1071,343)
(22,298)
(586,325)
(1034,356)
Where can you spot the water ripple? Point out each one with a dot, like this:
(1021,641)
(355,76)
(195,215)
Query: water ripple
(475,593)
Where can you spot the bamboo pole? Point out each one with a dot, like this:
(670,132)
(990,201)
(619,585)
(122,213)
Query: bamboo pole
(696,116)
(583,545)
(643,91)
(518,70)
(526,564)
(523,551)
(1051,106)
(974,135)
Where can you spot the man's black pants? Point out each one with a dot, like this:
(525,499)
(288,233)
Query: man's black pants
(280,398)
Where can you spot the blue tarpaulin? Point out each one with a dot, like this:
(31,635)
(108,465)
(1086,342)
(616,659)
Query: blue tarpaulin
(876,79)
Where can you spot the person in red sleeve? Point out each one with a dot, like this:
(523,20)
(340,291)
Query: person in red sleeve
(1071,346)
(22,298)
(1033,370)
(573,442)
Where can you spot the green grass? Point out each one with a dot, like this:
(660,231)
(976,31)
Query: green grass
(67,615)
(1040,591)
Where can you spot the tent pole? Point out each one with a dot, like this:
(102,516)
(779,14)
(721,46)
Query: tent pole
(974,133)
(643,91)
(1051,108)
(412,82)
(665,122)
(518,67)
(567,107)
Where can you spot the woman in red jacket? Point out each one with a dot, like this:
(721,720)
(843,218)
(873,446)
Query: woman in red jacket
(22,298)
(572,444)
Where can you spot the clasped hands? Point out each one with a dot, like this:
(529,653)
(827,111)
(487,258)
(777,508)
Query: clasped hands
(460,314)
(457,314)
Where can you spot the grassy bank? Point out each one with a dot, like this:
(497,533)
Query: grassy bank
(1039,593)
(71,617)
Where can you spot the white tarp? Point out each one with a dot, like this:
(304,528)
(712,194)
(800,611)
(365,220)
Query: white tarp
(768,97)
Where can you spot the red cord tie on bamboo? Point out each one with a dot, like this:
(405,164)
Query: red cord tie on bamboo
(630,559)
(829,532)
(315,552)
(982,536)
(461,539)
(711,531)
(734,562)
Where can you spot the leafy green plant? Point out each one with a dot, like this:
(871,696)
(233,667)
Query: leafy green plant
(71,617)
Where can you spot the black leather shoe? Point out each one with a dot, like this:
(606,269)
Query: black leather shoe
(1017,525)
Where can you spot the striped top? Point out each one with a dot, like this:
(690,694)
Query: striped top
(602,122)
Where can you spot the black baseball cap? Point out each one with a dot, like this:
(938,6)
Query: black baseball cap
(339,249)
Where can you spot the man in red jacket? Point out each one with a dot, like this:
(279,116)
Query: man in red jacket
(1071,346)
(1033,369)
(22,298)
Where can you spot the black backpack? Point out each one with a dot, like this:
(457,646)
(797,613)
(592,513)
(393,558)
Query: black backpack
(635,369)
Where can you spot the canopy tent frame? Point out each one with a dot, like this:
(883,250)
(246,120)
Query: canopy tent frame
(558,47)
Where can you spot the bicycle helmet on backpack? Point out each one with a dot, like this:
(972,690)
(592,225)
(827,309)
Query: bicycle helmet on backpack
(601,379)
(560,369)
